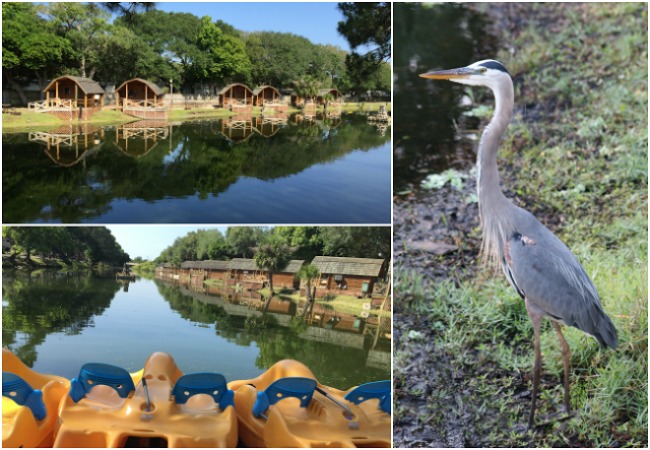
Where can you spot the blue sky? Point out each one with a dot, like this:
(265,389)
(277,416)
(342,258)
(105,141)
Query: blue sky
(148,241)
(317,21)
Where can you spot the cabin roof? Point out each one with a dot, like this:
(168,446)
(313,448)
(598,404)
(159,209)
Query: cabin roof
(322,92)
(214,265)
(87,85)
(348,266)
(232,85)
(150,84)
(260,89)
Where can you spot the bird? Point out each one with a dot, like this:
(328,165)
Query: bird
(537,264)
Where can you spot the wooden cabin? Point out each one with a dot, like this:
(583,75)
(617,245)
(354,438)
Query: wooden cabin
(141,98)
(269,98)
(215,270)
(69,97)
(244,271)
(287,278)
(237,97)
(336,95)
(167,271)
(351,276)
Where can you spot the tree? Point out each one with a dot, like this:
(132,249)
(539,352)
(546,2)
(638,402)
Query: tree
(278,58)
(30,48)
(308,272)
(360,242)
(128,10)
(244,239)
(83,25)
(272,256)
(366,24)
(224,55)
(307,88)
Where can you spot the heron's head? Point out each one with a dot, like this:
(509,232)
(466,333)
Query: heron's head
(489,73)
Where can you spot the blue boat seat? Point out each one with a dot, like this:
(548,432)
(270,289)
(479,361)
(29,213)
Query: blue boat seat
(297,387)
(94,374)
(367,391)
(21,392)
(212,384)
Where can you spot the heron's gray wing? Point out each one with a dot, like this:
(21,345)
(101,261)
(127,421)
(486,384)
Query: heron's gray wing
(544,271)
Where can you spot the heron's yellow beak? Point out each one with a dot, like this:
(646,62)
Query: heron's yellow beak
(450,74)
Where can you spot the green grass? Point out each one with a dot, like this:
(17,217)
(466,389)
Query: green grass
(29,120)
(346,304)
(583,161)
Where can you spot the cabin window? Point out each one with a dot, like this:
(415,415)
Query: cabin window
(338,277)
(66,91)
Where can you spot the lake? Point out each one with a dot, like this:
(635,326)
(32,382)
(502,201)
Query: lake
(298,170)
(434,130)
(56,321)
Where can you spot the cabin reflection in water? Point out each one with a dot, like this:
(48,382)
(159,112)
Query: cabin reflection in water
(235,285)
(241,127)
(323,324)
(137,139)
(68,145)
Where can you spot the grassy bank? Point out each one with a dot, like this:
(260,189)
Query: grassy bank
(29,120)
(346,304)
(576,156)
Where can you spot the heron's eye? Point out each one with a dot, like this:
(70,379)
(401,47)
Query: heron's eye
(483,70)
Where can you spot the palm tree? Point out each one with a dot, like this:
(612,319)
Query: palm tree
(272,256)
(307,88)
(308,272)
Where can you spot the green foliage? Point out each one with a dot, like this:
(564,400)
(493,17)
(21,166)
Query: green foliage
(367,24)
(452,176)
(71,244)
(77,38)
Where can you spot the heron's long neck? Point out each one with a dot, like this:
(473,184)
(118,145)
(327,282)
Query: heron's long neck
(493,205)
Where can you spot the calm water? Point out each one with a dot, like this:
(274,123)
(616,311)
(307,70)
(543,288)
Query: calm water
(57,322)
(295,170)
(428,114)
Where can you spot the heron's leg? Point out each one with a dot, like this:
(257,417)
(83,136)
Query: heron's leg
(566,356)
(536,319)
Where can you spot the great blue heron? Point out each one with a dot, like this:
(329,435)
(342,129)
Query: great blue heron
(537,264)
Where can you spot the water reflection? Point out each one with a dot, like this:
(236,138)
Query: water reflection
(35,304)
(55,322)
(137,139)
(265,169)
(427,114)
(68,145)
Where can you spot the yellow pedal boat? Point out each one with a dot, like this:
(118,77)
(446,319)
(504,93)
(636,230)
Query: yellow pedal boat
(30,402)
(287,407)
(158,406)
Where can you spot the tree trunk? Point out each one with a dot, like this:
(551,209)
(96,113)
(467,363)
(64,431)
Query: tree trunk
(270,283)
(13,84)
(83,66)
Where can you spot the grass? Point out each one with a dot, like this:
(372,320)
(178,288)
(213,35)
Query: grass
(33,120)
(346,304)
(581,167)
(365,106)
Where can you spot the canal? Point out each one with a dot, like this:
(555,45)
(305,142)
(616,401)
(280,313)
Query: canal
(292,169)
(56,321)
